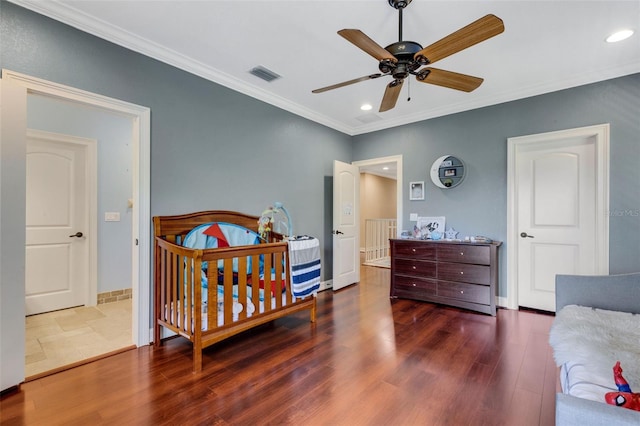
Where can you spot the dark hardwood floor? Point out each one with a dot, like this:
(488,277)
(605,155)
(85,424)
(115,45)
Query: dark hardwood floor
(368,360)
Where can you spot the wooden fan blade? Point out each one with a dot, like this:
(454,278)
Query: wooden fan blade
(361,40)
(474,33)
(391,95)
(346,83)
(450,79)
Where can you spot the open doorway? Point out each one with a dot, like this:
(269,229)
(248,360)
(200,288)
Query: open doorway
(380,207)
(138,143)
(78,234)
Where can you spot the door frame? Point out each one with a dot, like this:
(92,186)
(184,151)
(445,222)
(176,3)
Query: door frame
(141,217)
(399,185)
(601,134)
(91,147)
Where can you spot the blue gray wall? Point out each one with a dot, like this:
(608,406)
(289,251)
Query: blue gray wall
(479,205)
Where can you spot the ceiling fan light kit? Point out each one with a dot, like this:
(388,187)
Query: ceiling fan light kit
(404,58)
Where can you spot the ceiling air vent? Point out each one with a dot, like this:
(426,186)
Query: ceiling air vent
(264,73)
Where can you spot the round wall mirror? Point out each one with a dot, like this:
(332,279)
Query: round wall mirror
(447,172)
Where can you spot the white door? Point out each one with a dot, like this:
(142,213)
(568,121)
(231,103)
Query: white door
(57,219)
(346,224)
(558,182)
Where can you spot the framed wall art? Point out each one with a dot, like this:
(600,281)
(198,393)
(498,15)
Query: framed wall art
(416,190)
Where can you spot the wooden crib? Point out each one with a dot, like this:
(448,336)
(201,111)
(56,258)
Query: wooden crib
(179,294)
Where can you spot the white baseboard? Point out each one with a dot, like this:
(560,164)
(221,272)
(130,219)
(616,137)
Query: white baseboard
(326,285)
(502,302)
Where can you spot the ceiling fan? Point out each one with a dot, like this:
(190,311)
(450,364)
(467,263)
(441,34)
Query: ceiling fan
(407,57)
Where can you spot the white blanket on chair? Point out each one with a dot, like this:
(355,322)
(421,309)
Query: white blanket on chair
(597,338)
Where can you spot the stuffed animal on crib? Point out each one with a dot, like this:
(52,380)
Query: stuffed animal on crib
(624,397)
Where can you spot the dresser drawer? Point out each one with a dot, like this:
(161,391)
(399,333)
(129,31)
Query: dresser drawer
(415,250)
(480,255)
(467,292)
(420,268)
(404,283)
(477,274)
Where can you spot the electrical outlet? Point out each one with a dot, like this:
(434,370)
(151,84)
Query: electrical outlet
(112,216)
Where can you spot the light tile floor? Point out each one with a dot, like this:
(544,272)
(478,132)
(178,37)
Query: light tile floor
(55,339)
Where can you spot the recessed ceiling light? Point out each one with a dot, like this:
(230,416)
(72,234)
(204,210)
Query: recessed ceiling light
(366,107)
(619,36)
(385,168)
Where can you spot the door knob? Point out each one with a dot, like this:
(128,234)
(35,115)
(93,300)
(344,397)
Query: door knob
(77,234)
(525,235)
(338,232)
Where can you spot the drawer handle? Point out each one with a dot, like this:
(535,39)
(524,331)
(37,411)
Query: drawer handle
(461,272)
(461,291)
(413,284)
(461,253)
(413,250)
(414,266)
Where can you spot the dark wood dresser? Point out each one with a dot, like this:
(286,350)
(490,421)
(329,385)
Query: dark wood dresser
(458,274)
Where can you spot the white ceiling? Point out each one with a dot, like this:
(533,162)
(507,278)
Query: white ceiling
(546,46)
(386,170)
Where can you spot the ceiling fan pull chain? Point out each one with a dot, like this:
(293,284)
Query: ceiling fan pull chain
(409,90)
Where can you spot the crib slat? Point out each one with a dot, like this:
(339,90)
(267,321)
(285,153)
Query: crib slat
(278,279)
(255,283)
(267,281)
(242,286)
(188,288)
(181,288)
(228,291)
(195,330)
(173,285)
(212,296)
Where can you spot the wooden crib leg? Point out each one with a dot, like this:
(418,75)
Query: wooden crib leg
(313,310)
(157,342)
(197,359)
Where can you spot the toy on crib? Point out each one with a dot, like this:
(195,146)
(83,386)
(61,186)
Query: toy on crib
(624,397)
(275,218)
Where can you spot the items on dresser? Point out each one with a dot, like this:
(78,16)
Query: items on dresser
(458,274)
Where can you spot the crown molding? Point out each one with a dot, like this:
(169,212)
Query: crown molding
(89,24)
(525,92)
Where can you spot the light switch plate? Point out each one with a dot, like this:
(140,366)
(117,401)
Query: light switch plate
(413,217)
(112,216)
